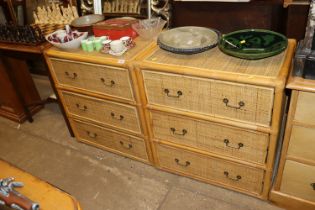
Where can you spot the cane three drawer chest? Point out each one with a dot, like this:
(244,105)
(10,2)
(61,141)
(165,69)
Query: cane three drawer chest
(208,116)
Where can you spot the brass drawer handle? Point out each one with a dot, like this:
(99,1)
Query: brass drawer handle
(226,141)
(121,117)
(82,108)
(238,177)
(187,163)
(313,185)
(92,135)
(110,84)
(73,76)
(183,133)
(123,145)
(167,91)
(240,104)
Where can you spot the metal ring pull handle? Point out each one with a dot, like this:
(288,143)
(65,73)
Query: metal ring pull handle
(238,177)
(187,163)
(183,133)
(167,91)
(110,84)
(226,141)
(92,135)
(123,145)
(82,108)
(313,185)
(121,117)
(240,104)
(73,76)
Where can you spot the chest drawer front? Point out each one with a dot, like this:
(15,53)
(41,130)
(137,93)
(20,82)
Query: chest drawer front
(211,137)
(212,169)
(97,78)
(109,139)
(305,111)
(298,180)
(302,143)
(216,98)
(103,111)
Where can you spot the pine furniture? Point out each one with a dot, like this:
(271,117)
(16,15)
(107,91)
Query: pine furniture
(207,116)
(295,183)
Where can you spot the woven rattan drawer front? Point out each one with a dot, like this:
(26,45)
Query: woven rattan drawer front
(216,98)
(298,180)
(97,78)
(211,137)
(194,164)
(305,111)
(110,139)
(106,112)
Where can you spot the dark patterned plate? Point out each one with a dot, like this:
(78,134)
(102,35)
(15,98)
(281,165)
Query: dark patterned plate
(253,44)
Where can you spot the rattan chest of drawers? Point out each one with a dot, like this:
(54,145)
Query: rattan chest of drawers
(295,183)
(214,117)
(101,99)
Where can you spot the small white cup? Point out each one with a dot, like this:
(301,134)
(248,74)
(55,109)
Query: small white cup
(126,40)
(117,46)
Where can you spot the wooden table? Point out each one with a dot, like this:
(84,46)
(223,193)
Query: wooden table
(46,195)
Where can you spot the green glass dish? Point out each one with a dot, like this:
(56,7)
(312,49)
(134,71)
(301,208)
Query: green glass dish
(253,44)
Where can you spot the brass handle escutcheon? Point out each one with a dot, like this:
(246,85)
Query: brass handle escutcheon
(82,108)
(167,91)
(129,146)
(110,84)
(183,133)
(73,76)
(238,177)
(313,185)
(226,141)
(240,104)
(187,163)
(92,135)
(121,117)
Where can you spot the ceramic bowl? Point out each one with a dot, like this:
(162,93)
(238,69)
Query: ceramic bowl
(149,28)
(67,46)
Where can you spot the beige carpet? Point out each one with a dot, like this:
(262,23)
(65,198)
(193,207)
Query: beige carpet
(101,180)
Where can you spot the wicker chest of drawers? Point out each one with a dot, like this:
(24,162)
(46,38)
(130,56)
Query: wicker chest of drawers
(295,183)
(214,117)
(101,99)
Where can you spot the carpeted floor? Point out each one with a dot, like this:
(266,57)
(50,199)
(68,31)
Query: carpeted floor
(101,180)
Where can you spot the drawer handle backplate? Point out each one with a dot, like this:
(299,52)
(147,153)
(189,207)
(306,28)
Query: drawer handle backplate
(121,117)
(82,108)
(73,76)
(110,84)
(129,146)
(167,91)
(92,135)
(237,178)
(240,104)
(187,163)
(226,141)
(183,133)
(313,185)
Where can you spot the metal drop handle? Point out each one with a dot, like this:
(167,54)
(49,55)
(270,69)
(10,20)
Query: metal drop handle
(110,84)
(73,76)
(313,185)
(187,163)
(129,146)
(226,141)
(237,178)
(167,92)
(183,133)
(82,108)
(92,135)
(121,117)
(240,104)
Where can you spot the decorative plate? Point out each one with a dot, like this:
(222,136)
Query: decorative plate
(188,40)
(253,44)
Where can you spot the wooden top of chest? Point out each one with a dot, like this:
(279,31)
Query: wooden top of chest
(299,83)
(215,64)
